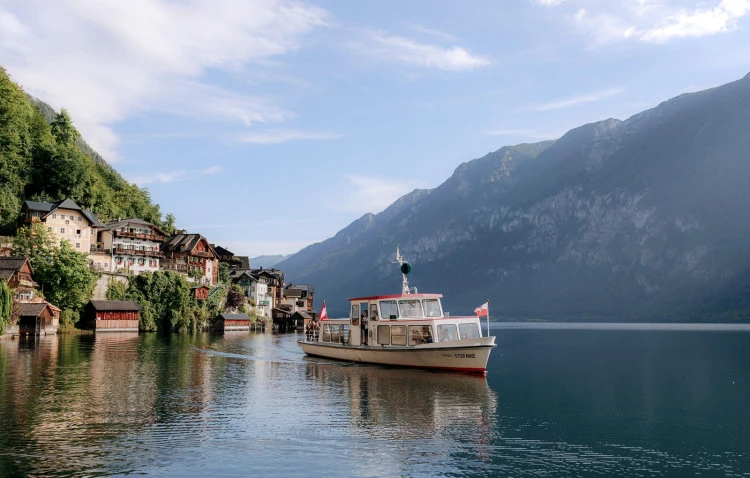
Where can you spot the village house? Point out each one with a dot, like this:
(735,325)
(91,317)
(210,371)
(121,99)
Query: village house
(227,257)
(200,292)
(299,297)
(65,220)
(274,280)
(192,255)
(255,287)
(17,272)
(112,315)
(127,246)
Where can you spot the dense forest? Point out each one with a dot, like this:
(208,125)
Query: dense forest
(44,158)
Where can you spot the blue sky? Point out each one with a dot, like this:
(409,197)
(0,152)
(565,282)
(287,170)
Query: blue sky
(269,125)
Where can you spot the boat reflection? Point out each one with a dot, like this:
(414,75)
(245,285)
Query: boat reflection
(398,403)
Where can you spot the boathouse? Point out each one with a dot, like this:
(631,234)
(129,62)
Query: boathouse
(113,315)
(227,322)
(37,318)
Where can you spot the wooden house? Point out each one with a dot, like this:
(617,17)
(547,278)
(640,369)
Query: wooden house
(201,292)
(17,272)
(228,322)
(192,255)
(128,246)
(113,315)
(37,318)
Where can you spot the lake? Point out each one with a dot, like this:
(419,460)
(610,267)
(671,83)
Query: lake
(558,400)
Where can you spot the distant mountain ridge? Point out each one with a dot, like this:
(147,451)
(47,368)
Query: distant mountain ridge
(642,219)
(267,260)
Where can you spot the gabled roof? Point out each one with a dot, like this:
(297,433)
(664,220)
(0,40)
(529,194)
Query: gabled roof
(303,314)
(34,309)
(13,263)
(6,274)
(226,316)
(293,292)
(106,305)
(222,252)
(48,207)
(184,243)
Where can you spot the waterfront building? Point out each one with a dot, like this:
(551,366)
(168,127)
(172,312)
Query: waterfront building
(300,297)
(255,288)
(37,318)
(228,322)
(65,220)
(200,292)
(128,246)
(112,315)
(192,255)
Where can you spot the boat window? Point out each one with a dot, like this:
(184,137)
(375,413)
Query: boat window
(374,312)
(336,333)
(447,332)
(355,314)
(469,331)
(420,334)
(384,334)
(410,308)
(432,308)
(326,336)
(388,309)
(398,335)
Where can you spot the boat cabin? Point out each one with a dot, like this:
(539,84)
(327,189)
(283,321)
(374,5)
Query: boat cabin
(400,320)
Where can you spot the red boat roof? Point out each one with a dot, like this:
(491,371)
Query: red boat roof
(396,296)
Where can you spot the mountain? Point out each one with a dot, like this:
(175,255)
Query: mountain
(266,261)
(643,219)
(44,158)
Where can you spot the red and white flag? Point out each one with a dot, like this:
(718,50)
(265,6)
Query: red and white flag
(483,309)
(323,313)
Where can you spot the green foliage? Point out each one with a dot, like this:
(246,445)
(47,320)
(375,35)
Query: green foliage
(68,320)
(43,157)
(6,305)
(223,272)
(62,272)
(168,303)
(116,290)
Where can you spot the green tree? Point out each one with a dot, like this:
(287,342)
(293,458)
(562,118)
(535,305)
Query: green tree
(169,224)
(168,303)
(6,305)
(116,290)
(223,273)
(63,130)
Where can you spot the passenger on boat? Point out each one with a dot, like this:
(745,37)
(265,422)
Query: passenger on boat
(364,328)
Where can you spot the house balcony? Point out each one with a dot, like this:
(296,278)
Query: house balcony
(139,235)
(202,254)
(137,252)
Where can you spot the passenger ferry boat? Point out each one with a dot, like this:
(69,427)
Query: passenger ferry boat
(408,329)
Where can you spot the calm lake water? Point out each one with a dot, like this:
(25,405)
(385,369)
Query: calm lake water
(573,400)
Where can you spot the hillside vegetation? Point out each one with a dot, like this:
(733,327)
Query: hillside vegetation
(44,158)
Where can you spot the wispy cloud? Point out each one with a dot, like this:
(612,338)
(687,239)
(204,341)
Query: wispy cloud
(105,60)
(176,176)
(573,101)
(398,49)
(549,3)
(372,194)
(431,32)
(281,136)
(653,21)
(697,23)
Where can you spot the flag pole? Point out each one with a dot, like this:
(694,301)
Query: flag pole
(488,317)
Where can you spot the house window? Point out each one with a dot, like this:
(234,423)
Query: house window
(80,219)
(67,222)
(71,218)
(62,230)
(54,216)
(49,229)
(78,245)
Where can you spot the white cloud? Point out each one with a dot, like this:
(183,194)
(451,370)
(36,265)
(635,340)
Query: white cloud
(698,23)
(549,3)
(371,194)
(573,101)
(176,176)
(654,21)
(104,60)
(391,48)
(281,136)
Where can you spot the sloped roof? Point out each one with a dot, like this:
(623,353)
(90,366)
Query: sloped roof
(184,243)
(6,274)
(92,218)
(130,220)
(222,251)
(226,316)
(40,205)
(34,309)
(293,292)
(105,305)
(48,207)
(12,263)
(302,314)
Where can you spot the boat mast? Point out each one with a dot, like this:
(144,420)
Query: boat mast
(405,269)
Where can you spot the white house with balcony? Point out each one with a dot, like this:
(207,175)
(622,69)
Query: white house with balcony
(128,246)
(255,288)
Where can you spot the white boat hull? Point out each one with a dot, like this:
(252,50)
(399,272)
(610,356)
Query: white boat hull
(468,355)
